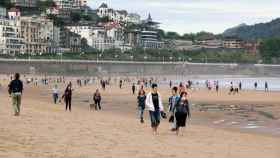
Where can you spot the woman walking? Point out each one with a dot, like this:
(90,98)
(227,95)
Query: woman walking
(172,101)
(154,104)
(67,96)
(97,99)
(182,112)
(141,104)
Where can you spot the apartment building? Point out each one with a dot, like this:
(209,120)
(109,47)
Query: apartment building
(10,40)
(70,4)
(25,3)
(233,43)
(114,15)
(3,12)
(133,18)
(101,37)
(38,34)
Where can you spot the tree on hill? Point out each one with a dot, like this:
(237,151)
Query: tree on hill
(270,50)
(6,3)
(172,35)
(103,19)
(75,17)
(44,5)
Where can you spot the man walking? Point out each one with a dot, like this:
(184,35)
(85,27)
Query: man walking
(15,91)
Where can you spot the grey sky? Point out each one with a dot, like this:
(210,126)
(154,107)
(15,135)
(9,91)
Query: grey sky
(186,16)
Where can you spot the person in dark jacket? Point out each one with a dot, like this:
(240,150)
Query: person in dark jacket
(141,104)
(133,88)
(182,112)
(97,100)
(68,97)
(15,91)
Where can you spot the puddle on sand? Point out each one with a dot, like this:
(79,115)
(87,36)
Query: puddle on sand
(219,121)
(252,127)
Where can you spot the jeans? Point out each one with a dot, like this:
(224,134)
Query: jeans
(16,99)
(155,118)
(55,97)
(141,112)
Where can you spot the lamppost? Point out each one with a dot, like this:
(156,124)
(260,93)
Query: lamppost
(179,59)
(145,58)
(170,58)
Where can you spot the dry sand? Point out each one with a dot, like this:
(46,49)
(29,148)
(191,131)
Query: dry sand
(45,130)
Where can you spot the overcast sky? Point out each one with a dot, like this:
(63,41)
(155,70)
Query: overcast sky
(185,16)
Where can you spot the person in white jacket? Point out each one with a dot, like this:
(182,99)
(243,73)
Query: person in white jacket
(155,107)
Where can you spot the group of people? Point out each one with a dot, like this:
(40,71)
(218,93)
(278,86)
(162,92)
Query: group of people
(178,109)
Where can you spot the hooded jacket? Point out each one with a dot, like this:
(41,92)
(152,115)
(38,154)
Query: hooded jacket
(150,104)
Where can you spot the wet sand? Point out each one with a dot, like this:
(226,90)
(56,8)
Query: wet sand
(46,130)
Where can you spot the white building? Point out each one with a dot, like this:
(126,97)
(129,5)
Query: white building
(79,4)
(3,12)
(10,40)
(133,18)
(86,32)
(64,4)
(38,34)
(14,13)
(70,4)
(101,38)
(25,3)
(114,15)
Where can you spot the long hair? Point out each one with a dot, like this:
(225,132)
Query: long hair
(141,90)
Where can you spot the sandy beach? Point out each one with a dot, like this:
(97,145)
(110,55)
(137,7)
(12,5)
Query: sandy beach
(45,130)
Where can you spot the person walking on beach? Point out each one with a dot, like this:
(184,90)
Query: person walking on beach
(55,94)
(97,99)
(217,86)
(15,91)
(182,112)
(266,87)
(121,82)
(67,96)
(240,86)
(141,104)
(170,84)
(172,101)
(256,85)
(133,88)
(154,104)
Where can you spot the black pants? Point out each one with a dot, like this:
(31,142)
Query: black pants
(68,103)
(97,104)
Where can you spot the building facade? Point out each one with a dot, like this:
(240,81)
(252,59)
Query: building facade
(114,15)
(70,4)
(70,41)
(133,18)
(101,37)
(233,43)
(25,3)
(38,34)
(3,12)
(11,42)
